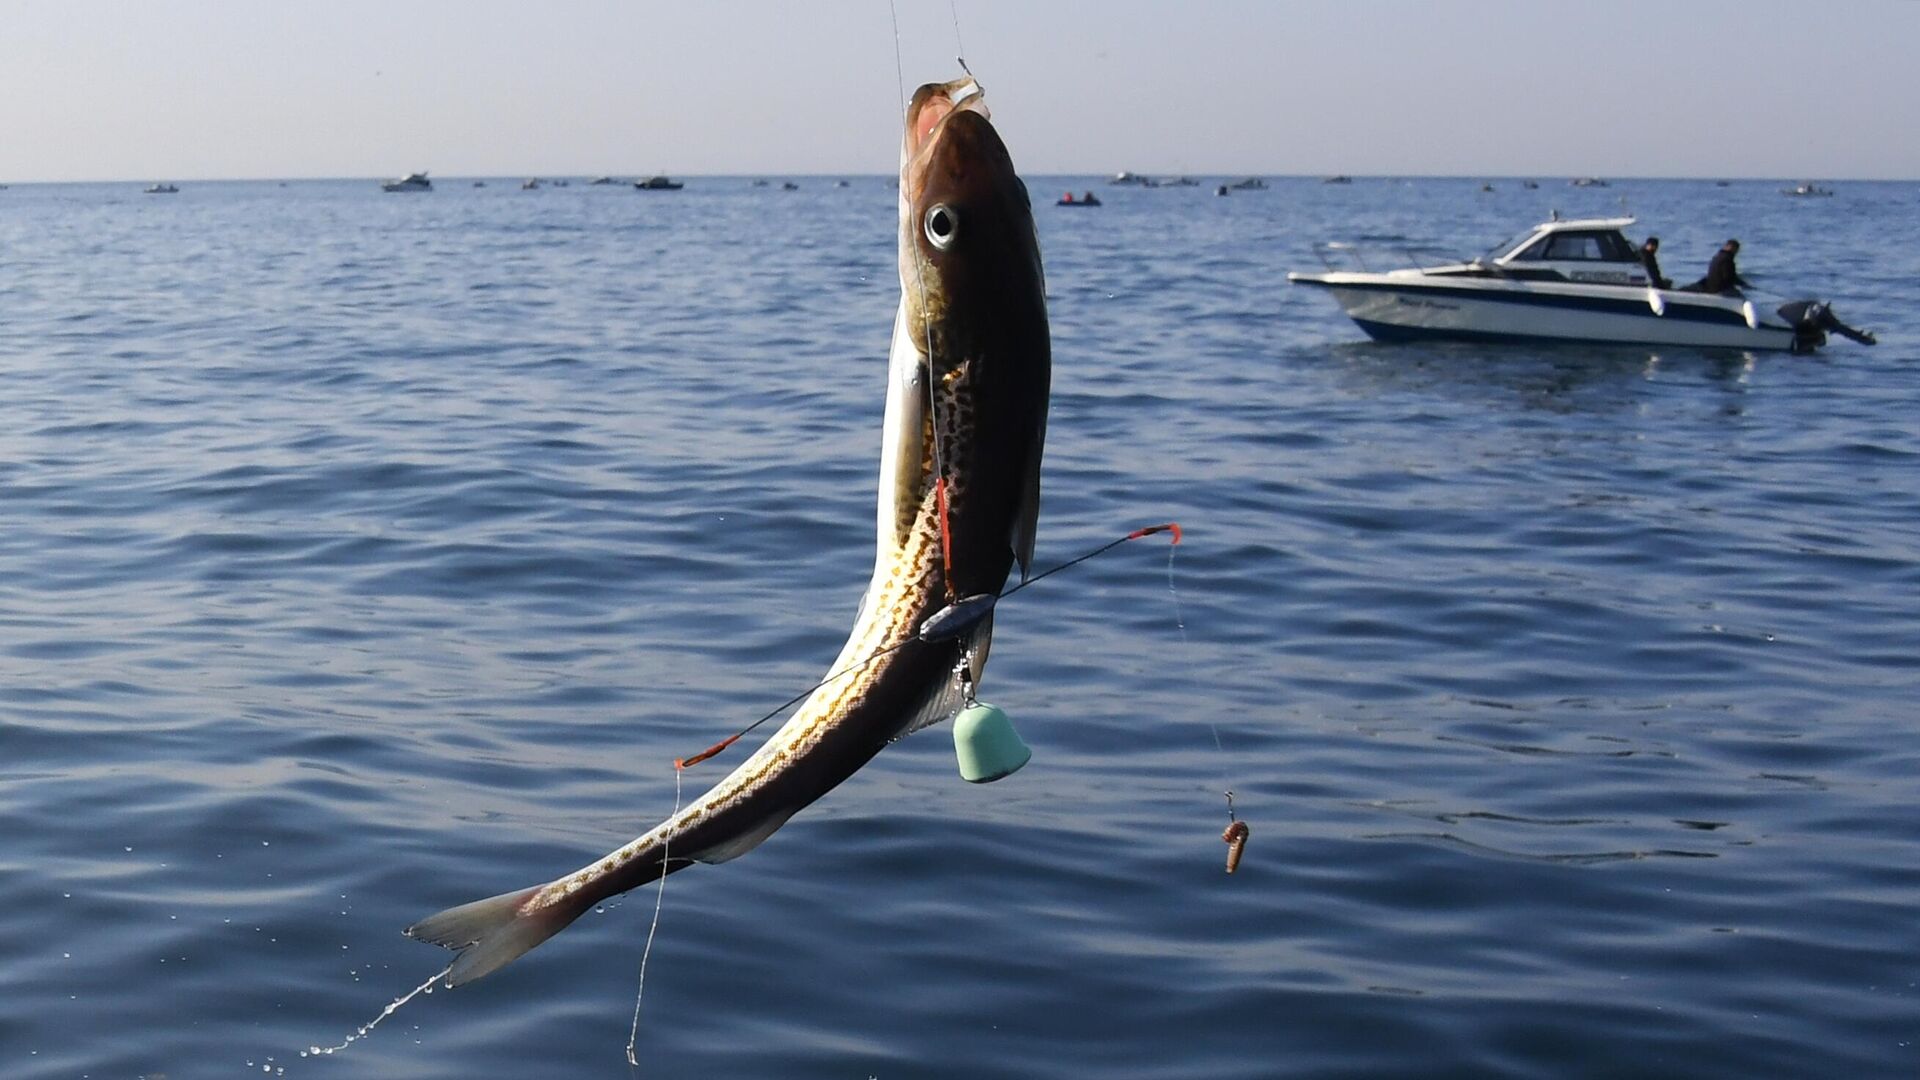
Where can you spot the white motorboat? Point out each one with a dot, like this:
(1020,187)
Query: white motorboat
(1568,281)
(411,182)
(1808,189)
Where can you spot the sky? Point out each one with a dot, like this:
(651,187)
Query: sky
(238,89)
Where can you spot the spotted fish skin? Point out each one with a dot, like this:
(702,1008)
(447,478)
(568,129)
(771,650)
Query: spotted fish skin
(965,423)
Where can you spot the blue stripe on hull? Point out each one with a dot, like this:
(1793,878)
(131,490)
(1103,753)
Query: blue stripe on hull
(1389,332)
(1634,306)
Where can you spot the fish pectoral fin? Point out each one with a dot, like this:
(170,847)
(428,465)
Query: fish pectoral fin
(1026,517)
(903,469)
(946,697)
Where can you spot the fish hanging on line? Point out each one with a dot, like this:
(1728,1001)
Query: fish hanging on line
(965,423)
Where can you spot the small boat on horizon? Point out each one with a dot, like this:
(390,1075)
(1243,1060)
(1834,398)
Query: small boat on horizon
(1128,179)
(531,183)
(162,189)
(1587,181)
(599,181)
(1807,189)
(1576,281)
(1251,183)
(657,183)
(1087,199)
(416,181)
(1340,178)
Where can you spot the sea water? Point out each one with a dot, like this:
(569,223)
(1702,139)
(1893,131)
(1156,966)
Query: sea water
(365,554)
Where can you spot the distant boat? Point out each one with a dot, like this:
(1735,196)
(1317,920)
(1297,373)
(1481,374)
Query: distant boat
(760,183)
(1587,181)
(1124,179)
(1180,181)
(1340,179)
(1530,185)
(1088,199)
(531,183)
(1223,190)
(163,189)
(479,183)
(1486,187)
(657,183)
(841,183)
(1568,281)
(788,185)
(416,181)
(1807,188)
(599,180)
(1251,183)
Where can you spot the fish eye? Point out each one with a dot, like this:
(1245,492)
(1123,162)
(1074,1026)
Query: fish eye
(943,224)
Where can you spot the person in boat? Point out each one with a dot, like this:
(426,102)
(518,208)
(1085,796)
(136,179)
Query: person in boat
(1649,258)
(1089,199)
(1722,275)
(1067,198)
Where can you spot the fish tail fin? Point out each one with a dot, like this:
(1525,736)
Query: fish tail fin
(490,933)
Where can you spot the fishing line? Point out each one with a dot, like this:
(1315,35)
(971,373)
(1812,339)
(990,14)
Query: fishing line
(659,899)
(959,617)
(954,7)
(924,317)
(1236,832)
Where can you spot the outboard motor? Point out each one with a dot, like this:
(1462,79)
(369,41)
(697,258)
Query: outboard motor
(1812,320)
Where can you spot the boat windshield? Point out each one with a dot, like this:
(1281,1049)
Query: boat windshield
(1508,244)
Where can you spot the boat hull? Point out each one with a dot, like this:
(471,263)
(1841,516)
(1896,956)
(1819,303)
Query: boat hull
(1502,311)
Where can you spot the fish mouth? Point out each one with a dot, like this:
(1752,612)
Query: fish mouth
(927,115)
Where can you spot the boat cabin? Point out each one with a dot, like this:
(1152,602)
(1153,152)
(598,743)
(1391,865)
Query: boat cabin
(1592,251)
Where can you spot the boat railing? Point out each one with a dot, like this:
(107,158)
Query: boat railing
(1342,256)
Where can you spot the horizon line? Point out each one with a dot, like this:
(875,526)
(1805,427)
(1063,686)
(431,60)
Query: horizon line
(628,177)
